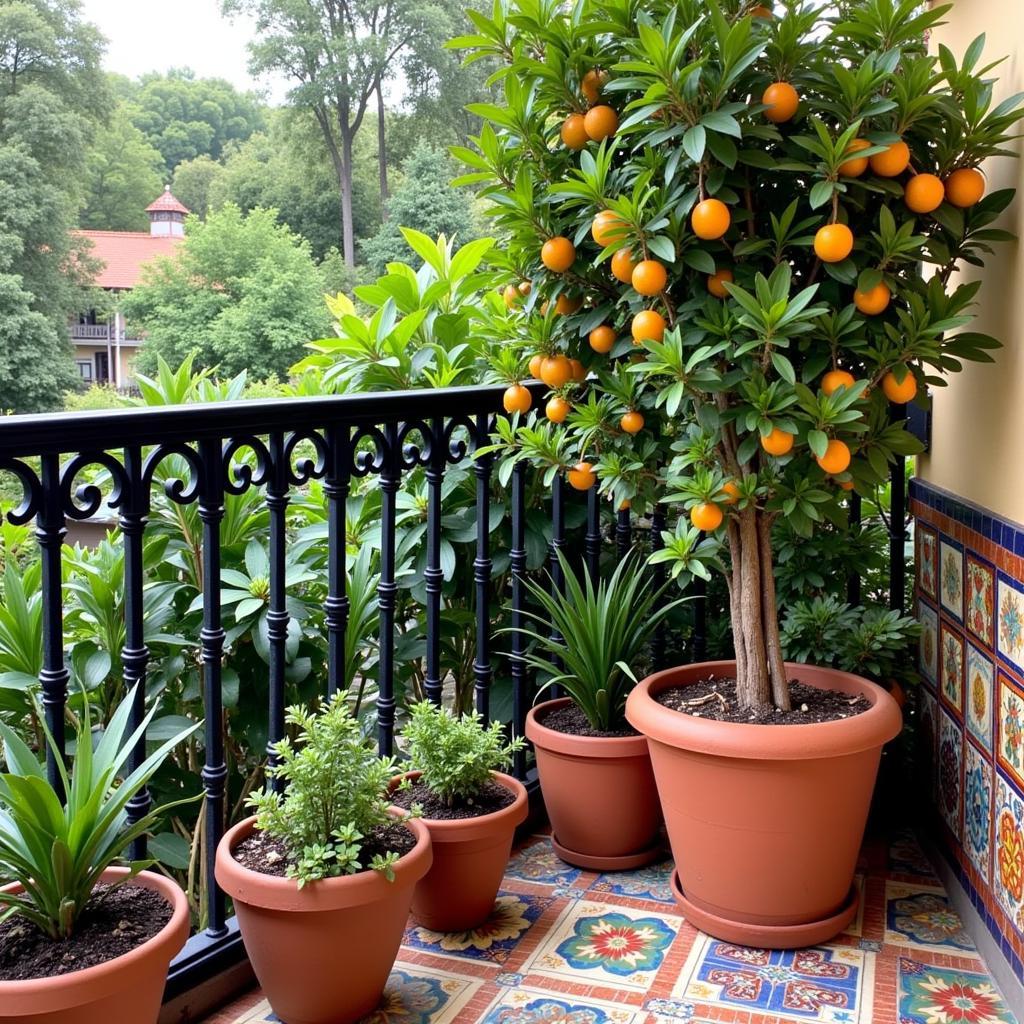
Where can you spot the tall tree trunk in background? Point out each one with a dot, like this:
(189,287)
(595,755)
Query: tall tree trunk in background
(382,152)
(347,232)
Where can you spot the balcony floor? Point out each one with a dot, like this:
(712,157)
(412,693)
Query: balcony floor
(574,947)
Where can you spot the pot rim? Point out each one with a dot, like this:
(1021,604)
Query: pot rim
(458,829)
(59,990)
(872,728)
(272,892)
(579,746)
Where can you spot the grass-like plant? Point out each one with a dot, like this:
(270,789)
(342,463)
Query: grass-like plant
(335,795)
(603,629)
(454,755)
(58,850)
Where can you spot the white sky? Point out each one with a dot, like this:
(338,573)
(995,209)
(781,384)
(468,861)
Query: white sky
(155,35)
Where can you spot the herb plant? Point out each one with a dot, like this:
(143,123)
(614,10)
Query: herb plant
(455,756)
(57,851)
(335,795)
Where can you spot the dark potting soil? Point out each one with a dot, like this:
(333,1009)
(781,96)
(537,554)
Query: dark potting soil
(113,924)
(492,797)
(267,855)
(716,699)
(569,719)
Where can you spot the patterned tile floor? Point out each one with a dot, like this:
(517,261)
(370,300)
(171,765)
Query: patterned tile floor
(574,947)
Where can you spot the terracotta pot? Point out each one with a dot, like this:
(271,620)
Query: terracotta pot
(470,856)
(127,988)
(599,793)
(322,953)
(765,821)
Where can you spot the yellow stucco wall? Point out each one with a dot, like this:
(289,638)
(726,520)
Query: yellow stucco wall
(979,418)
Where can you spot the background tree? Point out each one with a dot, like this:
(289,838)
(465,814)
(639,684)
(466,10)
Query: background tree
(194,180)
(242,292)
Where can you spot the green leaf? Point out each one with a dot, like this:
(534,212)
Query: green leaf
(694,142)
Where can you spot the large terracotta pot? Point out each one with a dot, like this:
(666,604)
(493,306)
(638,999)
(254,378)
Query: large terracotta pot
(322,953)
(127,988)
(470,856)
(765,821)
(599,793)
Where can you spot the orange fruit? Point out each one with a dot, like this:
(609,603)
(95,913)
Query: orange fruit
(833,243)
(592,84)
(836,379)
(579,371)
(648,325)
(846,485)
(897,392)
(535,362)
(525,287)
(965,187)
(891,161)
(511,295)
(516,399)
(836,457)
(557,409)
(626,505)
(602,339)
(710,219)
(873,301)
(607,227)
(623,266)
(778,442)
(760,11)
(574,132)
(600,122)
(716,282)
(854,166)
(632,422)
(565,305)
(582,476)
(706,516)
(782,101)
(558,254)
(649,277)
(555,371)
(732,489)
(924,193)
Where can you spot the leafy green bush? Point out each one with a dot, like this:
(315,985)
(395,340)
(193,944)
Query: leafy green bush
(455,755)
(57,851)
(335,795)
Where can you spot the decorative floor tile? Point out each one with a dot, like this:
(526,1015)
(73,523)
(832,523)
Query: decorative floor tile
(927,560)
(536,1006)
(979,613)
(1010,749)
(934,995)
(978,696)
(831,984)
(493,941)
(650,883)
(951,577)
(950,770)
(929,641)
(951,668)
(536,861)
(978,810)
(1010,622)
(605,944)
(915,916)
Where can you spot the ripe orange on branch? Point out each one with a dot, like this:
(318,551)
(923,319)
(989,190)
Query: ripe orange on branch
(607,227)
(649,277)
(558,254)
(706,516)
(873,301)
(516,399)
(555,371)
(648,325)
(836,458)
(891,161)
(716,282)
(582,476)
(782,101)
(632,422)
(602,339)
(579,371)
(710,219)
(833,243)
(778,442)
(897,392)
(511,295)
(854,166)
(592,84)
(924,193)
(535,362)
(965,187)
(623,265)
(557,409)
(600,122)
(732,489)
(565,305)
(836,379)
(574,132)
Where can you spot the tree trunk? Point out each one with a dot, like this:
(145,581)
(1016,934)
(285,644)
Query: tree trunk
(382,152)
(347,233)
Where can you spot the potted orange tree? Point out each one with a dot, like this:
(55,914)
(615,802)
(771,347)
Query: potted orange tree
(752,216)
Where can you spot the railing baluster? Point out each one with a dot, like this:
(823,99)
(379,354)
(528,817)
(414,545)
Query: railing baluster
(482,572)
(853,579)
(592,538)
(659,576)
(897,523)
(135,654)
(211,637)
(54,675)
(387,591)
(517,560)
(557,543)
(277,612)
(336,604)
(432,575)
(623,533)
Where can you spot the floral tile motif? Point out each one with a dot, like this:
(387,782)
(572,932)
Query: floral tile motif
(915,916)
(951,578)
(1008,859)
(1010,750)
(535,1006)
(951,669)
(935,995)
(494,940)
(653,882)
(978,810)
(978,696)
(1010,621)
(927,561)
(538,862)
(906,857)
(601,944)
(832,984)
(979,611)
(950,765)
(929,642)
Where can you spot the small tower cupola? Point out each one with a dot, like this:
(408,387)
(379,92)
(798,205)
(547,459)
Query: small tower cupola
(167,215)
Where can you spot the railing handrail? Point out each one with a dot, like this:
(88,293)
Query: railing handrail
(62,433)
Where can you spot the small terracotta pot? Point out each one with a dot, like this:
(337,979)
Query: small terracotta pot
(127,988)
(765,821)
(322,953)
(470,856)
(599,793)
